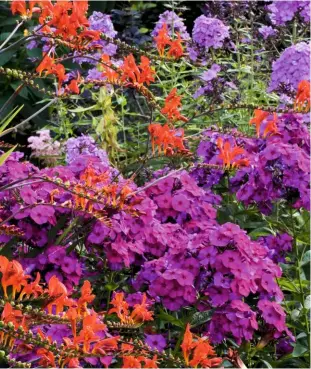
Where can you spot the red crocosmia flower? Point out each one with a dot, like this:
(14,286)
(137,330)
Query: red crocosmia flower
(187,344)
(166,139)
(172,103)
(271,127)
(146,72)
(110,73)
(20,7)
(58,292)
(120,306)
(137,74)
(131,362)
(91,35)
(150,363)
(86,297)
(130,70)
(176,49)
(71,362)
(162,39)
(197,351)
(47,358)
(32,288)
(73,86)
(106,345)
(50,67)
(228,153)
(91,325)
(259,117)
(141,312)
(12,275)
(302,101)
(15,316)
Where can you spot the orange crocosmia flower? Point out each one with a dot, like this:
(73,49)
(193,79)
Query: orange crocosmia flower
(137,74)
(72,315)
(127,347)
(12,275)
(58,292)
(200,351)
(120,306)
(110,73)
(73,85)
(86,294)
(166,139)
(91,325)
(259,117)
(271,127)
(50,67)
(146,72)
(130,71)
(71,362)
(302,100)
(204,355)
(33,288)
(47,358)
(162,39)
(15,316)
(172,103)
(176,49)
(141,312)
(150,363)
(106,345)
(20,7)
(131,362)
(187,344)
(228,153)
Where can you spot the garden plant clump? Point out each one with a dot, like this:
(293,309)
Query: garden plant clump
(154,184)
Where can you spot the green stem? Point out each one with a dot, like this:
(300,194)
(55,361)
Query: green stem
(297,267)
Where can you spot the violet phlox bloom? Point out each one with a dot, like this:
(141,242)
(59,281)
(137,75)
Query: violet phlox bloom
(156,341)
(267,31)
(209,32)
(284,11)
(291,67)
(84,145)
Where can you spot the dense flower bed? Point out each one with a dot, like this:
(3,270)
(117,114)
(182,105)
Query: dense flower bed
(161,218)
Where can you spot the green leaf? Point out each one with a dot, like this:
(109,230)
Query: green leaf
(54,230)
(266,364)
(8,119)
(299,350)
(6,56)
(111,286)
(7,248)
(4,156)
(200,318)
(170,319)
(82,110)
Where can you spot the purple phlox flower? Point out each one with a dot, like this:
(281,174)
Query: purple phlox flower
(209,32)
(291,67)
(211,73)
(284,11)
(267,31)
(156,341)
(42,214)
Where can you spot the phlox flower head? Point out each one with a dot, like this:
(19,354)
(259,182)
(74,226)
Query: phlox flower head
(267,31)
(209,32)
(291,67)
(282,12)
